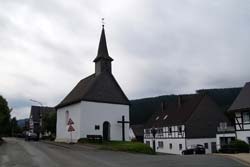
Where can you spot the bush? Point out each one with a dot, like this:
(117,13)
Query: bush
(236,146)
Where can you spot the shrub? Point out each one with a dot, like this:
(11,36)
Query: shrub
(236,146)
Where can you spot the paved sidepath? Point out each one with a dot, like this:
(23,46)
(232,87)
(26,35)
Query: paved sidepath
(17,152)
(243,157)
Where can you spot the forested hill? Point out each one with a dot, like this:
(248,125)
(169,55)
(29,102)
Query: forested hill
(142,109)
(223,97)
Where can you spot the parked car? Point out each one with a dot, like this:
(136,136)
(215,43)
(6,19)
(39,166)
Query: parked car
(31,136)
(198,149)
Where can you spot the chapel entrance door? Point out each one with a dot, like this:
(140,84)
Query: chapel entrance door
(106,131)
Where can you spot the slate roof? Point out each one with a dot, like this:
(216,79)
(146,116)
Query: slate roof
(102,49)
(176,114)
(97,88)
(36,110)
(138,129)
(242,102)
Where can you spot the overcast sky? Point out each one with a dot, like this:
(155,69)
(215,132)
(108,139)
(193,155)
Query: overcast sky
(158,47)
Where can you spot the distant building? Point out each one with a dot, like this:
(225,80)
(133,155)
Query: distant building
(184,122)
(137,132)
(35,119)
(241,110)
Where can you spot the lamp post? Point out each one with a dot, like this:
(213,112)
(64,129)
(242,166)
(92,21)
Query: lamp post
(153,131)
(40,116)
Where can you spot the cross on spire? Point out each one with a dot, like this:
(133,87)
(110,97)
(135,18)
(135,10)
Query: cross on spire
(103,22)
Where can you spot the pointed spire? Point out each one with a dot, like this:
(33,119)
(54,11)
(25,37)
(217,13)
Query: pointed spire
(102,49)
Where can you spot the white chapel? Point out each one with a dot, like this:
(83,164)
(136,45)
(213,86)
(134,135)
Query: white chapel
(96,105)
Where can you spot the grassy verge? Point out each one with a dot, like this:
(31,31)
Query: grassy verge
(133,147)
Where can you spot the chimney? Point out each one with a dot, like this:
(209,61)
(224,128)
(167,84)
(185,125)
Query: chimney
(163,106)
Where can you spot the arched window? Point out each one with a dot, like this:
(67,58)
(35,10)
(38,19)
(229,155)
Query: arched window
(66,117)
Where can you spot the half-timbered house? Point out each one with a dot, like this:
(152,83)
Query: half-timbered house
(241,110)
(185,122)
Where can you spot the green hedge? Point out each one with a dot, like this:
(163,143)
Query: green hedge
(134,147)
(236,146)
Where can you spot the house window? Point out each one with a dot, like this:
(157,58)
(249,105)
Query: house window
(160,131)
(170,146)
(157,118)
(97,127)
(179,129)
(160,144)
(170,129)
(147,131)
(165,117)
(180,146)
(148,143)
(246,117)
(206,145)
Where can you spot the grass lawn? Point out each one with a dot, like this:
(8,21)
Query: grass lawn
(133,147)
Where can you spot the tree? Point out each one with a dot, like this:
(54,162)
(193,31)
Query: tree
(49,122)
(4,117)
(14,128)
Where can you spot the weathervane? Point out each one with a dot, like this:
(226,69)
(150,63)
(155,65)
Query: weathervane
(103,22)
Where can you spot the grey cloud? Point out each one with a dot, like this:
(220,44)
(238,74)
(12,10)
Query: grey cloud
(172,47)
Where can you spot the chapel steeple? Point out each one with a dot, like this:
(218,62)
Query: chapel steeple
(103,60)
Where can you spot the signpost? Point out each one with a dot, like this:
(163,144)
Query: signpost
(123,122)
(71,128)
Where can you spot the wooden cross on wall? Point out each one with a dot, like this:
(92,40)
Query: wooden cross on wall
(123,122)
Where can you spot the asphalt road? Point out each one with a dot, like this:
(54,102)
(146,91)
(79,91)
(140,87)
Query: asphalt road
(18,153)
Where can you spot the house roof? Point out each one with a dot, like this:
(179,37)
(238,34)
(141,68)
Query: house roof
(138,129)
(176,112)
(36,110)
(98,88)
(242,102)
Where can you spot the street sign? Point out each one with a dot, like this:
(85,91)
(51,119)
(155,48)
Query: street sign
(70,122)
(71,128)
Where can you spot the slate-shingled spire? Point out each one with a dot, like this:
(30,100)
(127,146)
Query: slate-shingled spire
(102,60)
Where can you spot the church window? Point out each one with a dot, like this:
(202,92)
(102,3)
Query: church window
(157,118)
(160,144)
(66,117)
(97,127)
(165,117)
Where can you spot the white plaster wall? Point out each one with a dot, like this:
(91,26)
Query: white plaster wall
(166,142)
(94,113)
(218,136)
(62,134)
(243,135)
(201,141)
